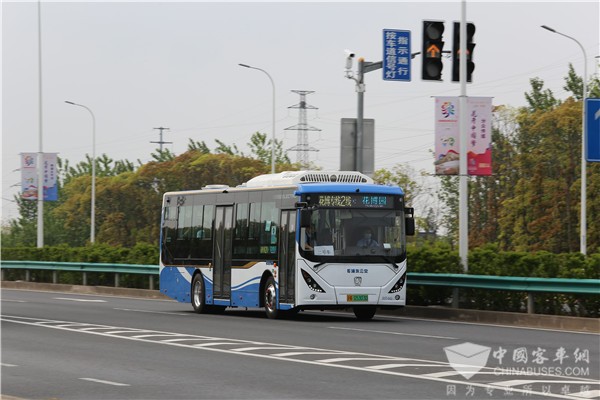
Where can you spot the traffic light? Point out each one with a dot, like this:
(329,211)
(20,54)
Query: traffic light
(456,52)
(432,50)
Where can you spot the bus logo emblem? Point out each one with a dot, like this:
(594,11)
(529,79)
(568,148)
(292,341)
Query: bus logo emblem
(357,281)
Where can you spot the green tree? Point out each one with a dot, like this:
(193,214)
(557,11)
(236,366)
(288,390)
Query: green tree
(163,155)
(261,149)
(539,99)
(201,146)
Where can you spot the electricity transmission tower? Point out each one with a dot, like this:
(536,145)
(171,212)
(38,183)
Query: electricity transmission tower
(302,148)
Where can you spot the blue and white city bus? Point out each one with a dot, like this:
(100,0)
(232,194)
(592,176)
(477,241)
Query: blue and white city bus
(287,242)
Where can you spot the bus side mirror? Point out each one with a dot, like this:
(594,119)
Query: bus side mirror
(304,218)
(409,221)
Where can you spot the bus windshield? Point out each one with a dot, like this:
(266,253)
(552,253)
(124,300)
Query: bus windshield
(354,235)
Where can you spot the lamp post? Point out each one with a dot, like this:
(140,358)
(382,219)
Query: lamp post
(583,239)
(273,137)
(40,156)
(93,212)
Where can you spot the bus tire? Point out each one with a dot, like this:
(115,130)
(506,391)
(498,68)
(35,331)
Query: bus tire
(365,313)
(198,295)
(270,298)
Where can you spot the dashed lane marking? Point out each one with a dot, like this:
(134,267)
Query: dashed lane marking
(80,300)
(104,382)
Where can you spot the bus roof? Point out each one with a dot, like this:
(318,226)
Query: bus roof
(307,182)
(288,178)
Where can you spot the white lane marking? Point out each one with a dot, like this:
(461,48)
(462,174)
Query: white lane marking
(344,359)
(213,344)
(412,375)
(80,300)
(8,365)
(130,330)
(302,353)
(156,335)
(443,374)
(393,333)
(104,382)
(272,347)
(154,312)
(543,381)
(185,339)
(97,328)
(13,301)
(73,325)
(590,394)
(392,366)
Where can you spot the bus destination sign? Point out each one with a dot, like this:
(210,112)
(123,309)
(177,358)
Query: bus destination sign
(353,200)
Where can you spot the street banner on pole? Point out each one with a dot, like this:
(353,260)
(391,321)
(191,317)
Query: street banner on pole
(447,138)
(592,127)
(29,176)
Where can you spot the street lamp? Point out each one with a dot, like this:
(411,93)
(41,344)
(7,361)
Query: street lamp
(93,212)
(583,239)
(273,138)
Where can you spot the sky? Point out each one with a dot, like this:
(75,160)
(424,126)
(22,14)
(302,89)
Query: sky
(143,65)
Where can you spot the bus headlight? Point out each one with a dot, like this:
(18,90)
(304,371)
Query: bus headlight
(314,286)
(399,285)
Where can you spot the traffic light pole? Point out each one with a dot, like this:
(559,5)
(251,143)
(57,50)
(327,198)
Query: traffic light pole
(363,68)
(463,208)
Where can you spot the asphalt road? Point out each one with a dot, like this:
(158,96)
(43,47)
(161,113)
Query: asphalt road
(68,346)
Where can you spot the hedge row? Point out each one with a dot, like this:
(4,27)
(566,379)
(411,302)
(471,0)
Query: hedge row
(433,259)
(141,253)
(490,261)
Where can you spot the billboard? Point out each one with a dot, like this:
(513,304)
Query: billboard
(29,176)
(479,136)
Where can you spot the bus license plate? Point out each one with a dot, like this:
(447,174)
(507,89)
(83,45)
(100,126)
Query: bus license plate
(357,297)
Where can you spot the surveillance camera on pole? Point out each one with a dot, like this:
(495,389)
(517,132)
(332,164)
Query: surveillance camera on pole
(349,59)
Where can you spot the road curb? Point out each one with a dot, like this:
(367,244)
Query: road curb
(540,321)
(79,289)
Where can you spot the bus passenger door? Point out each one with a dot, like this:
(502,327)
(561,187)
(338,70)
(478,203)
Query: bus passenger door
(222,253)
(287,256)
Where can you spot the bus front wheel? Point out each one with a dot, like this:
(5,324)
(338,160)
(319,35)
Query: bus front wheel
(365,313)
(270,298)
(198,294)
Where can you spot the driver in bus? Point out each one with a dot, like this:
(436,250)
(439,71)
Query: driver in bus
(308,239)
(367,239)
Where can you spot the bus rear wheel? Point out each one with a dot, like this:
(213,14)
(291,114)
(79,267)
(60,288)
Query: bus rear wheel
(270,298)
(198,295)
(365,313)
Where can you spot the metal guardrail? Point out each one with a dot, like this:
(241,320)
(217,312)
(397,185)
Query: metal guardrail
(55,267)
(455,281)
(512,283)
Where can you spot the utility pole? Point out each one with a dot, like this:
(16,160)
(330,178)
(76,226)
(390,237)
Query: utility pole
(161,142)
